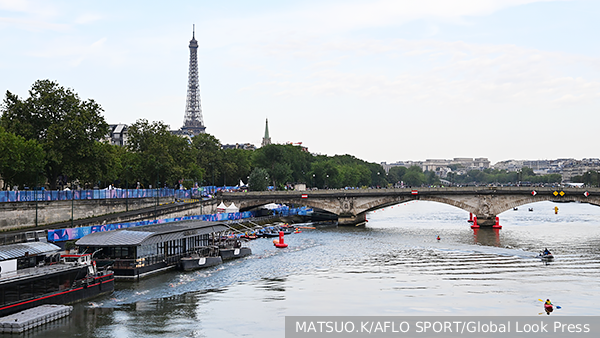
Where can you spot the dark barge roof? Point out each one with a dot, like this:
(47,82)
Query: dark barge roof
(151,234)
(35,272)
(13,251)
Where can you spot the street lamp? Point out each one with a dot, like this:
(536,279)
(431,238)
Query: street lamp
(157,183)
(313,180)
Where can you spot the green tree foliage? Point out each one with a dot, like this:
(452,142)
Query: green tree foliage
(21,160)
(160,157)
(396,173)
(284,163)
(259,179)
(342,171)
(67,128)
(431,178)
(236,166)
(495,176)
(590,178)
(209,157)
(414,176)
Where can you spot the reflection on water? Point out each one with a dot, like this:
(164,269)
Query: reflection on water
(393,266)
(486,236)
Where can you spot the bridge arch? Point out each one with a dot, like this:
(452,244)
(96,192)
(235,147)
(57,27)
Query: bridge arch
(351,206)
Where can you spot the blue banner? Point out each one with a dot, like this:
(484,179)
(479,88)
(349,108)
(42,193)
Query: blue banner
(66,234)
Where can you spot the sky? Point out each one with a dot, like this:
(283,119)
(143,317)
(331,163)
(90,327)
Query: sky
(381,80)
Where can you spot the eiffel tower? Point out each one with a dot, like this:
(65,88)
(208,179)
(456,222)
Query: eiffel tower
(192,122)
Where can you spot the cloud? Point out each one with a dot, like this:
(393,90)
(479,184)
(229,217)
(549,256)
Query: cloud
(30,15)
(34,24)
(444,72)
(88,18)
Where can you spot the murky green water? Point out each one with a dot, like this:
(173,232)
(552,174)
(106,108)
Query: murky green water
(392,266)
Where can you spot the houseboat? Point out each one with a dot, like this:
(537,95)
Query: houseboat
(138,252)
(35,273)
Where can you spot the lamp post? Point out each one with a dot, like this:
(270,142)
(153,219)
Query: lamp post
(36,199)
(127,188)
(326,179)
(72,205)
(157,183)
(313,181)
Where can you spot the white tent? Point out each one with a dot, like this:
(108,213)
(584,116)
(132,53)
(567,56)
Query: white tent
(232,208)
(221,207)
(271,206)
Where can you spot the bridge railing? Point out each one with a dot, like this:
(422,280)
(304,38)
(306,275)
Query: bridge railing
(67,195)
(409,191)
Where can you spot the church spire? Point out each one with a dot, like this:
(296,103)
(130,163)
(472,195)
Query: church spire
(266,139)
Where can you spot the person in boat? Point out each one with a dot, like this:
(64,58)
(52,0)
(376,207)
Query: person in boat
(546,252)
(548,306)
(438,238)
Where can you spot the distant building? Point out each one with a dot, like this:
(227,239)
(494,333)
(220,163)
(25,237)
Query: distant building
(117,134)
(442,167)
(266,139)
(245,146)
(578,168)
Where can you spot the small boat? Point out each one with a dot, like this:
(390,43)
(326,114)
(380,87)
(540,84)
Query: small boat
(546,256)
(231,249)
(515,208)
(202,258)
(270,234)
(549,308)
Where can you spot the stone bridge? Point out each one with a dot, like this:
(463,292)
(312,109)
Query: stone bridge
(351,206)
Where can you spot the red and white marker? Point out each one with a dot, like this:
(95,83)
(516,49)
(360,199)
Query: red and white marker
(533,193)
(586,194)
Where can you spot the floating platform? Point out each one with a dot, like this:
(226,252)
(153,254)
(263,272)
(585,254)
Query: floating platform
(30,318)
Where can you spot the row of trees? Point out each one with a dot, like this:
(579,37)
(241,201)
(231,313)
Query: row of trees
(55,138)
(495,176)
(591,178)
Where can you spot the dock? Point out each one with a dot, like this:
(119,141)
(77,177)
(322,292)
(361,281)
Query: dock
(30,318)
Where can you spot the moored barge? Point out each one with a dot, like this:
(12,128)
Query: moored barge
(35,273)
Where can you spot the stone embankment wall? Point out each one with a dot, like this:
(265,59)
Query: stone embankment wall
(20,215)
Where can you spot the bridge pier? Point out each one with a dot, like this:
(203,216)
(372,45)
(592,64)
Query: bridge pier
(486,221)
(352,219)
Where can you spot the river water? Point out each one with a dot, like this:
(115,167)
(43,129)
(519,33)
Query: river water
(392,266)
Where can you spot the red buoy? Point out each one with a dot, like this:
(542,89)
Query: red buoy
(470,217)
(280,244)
(497,225)
(475,225)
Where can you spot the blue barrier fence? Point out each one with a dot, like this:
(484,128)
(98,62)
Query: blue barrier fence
(60,235)
(67,195)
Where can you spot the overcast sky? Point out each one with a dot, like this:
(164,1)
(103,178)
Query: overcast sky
(381,80)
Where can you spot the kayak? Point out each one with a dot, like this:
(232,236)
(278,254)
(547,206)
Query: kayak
(548,307)
(548,256)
